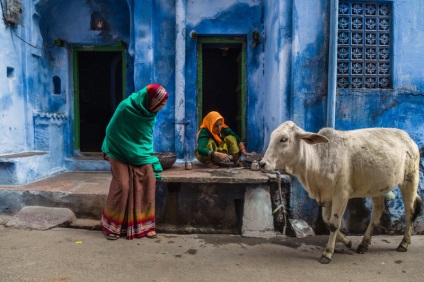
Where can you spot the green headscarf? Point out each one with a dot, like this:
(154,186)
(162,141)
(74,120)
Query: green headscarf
(129,134)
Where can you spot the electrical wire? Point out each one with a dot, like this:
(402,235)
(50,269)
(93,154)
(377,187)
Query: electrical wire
(42,47)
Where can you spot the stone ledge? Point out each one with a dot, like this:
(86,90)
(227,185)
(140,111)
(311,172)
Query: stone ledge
(200,174)
(10,157)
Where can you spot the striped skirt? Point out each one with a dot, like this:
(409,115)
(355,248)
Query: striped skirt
(130,204)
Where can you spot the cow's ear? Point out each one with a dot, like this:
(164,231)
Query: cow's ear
(313,138)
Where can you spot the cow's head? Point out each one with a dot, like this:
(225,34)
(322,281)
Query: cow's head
(284,147)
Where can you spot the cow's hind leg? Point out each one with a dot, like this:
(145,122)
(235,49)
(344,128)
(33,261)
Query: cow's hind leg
(337,210)
(377,211)
(413,205)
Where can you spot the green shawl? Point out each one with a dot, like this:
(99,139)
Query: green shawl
(129,134)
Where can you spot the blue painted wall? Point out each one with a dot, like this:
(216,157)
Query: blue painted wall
(296,68)
(227,18)
(401,107)
(286,73)
(13,114)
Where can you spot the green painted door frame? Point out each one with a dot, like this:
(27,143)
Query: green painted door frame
(117,48)
(241,89)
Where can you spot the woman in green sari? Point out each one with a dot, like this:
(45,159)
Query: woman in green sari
(128,145)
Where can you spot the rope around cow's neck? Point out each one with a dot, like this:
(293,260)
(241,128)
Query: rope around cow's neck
(278,174)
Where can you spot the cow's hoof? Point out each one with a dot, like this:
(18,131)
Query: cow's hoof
(401,249)
(349,245)
(324,260)
(361,249)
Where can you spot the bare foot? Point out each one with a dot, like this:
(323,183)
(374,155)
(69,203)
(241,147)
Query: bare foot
(211,165)
(239,164)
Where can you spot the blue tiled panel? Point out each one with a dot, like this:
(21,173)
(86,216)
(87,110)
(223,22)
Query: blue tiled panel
(364,45)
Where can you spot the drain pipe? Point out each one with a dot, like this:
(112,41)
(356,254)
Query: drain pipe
(180,55)
(332,71)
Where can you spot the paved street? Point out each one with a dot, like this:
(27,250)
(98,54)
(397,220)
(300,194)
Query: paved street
(65,254)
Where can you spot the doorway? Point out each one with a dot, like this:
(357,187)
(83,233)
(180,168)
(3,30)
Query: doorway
(100,83)
(221,81)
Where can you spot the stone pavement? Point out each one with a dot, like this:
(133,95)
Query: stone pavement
(64,254)
(83,254)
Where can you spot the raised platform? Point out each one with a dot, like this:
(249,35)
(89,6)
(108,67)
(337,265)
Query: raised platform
(225,200)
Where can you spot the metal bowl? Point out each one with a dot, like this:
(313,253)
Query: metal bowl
(166,159)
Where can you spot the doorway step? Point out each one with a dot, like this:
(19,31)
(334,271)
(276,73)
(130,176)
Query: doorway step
(87,161)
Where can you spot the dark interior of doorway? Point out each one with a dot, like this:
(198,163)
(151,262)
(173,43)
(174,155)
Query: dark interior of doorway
(100,91)
(220,80)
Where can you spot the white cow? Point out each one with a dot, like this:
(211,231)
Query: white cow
(335,166)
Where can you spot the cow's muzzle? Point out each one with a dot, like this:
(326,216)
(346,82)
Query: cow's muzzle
(265,166)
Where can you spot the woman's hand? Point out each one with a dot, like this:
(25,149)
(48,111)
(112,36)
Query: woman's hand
(222,157)
(243,149)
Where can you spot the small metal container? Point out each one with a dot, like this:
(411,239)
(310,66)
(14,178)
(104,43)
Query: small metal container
(188,165)
(255,165)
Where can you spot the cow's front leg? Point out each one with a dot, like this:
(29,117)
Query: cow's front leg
(337,210)
(326,214)
(377,211)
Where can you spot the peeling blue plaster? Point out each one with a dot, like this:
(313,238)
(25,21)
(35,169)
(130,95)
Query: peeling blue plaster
(286,73)
(239,19)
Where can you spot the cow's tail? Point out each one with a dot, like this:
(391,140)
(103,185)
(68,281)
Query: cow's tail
(418,206)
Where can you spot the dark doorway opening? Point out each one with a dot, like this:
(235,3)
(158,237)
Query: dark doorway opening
(100,91)
(221,83)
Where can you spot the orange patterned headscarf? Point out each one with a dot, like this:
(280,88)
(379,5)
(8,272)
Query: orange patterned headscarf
(209,121)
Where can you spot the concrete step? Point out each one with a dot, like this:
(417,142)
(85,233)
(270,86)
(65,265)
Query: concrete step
(87,161)
(82,192)
(187,201)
